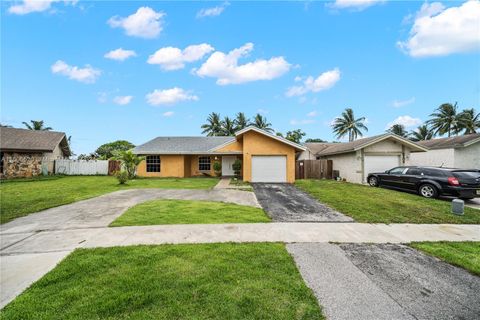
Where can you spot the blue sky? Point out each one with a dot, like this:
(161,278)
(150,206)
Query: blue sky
(389,61)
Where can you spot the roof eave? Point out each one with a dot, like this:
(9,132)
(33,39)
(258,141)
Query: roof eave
(268,134)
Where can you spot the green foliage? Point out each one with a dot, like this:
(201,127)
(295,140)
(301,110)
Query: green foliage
(295,135)
(423,132)
(217,167)
(122,176)
(36,125)
(237,167)
(399,130)
(347,124)
(213,127)
(111,149)
(261,123)
(469,121)
(241,121)
(228,127)
(130,161)
(158,212)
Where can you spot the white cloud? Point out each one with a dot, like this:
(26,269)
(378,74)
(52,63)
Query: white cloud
(225,67)
(212,12)
(169,96)
(354,4)
(262,111)
(168,114)
(294,122)
(122,100)
(29,6)
(323,82)
(88,74)
(170,58)
(406,121)
(120,54)
(402,103)
(439,31)
(145,23)
(313,113)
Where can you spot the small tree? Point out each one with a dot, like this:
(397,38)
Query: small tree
(130,161)
(111,149)
(237,168)
(217,167)
(122,176)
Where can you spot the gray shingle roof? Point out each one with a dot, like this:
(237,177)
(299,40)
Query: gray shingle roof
(452,142)
(181,145)
(15,139)
(323,149)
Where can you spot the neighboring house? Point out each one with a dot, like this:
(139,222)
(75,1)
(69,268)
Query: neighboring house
(454,152)
(355,160)
(265,157)
(28,153)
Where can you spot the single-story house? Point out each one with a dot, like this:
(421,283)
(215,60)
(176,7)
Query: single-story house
(455,152)
(355,160)
(265,157)
(28,153)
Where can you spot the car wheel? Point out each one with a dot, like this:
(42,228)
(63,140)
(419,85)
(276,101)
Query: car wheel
(373,181)
(428,191)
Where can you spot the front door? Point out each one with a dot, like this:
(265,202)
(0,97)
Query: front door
(227,163)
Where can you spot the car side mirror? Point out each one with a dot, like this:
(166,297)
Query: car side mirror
(387,171)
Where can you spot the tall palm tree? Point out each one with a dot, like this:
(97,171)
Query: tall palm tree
(422,133)
(241,121)
(261,122)
(228,127)
(36,125)
(347,124)
(399,130)
(213,127)
(469,121)
(445,120)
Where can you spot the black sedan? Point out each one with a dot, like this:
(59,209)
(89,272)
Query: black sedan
(430,182)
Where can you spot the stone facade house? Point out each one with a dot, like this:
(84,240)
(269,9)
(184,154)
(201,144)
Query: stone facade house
(29,153)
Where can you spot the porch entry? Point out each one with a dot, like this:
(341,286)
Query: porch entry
(227,163)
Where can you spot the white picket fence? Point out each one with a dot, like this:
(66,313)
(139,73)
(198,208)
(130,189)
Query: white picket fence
(81,167)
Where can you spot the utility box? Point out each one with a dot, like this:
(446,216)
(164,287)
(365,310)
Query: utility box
(458,206)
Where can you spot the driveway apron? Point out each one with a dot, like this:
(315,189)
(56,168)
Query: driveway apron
(287,203)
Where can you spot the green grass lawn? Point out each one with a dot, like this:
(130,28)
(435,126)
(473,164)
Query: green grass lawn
(187,212)
(463,254)
(379,205)
(21,197)
(205,281)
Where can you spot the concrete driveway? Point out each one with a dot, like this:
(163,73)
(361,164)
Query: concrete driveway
(385,281)
(287,203)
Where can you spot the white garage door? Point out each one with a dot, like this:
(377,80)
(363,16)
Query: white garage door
(269,169)
(380,163)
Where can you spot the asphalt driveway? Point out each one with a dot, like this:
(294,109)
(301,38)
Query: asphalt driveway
(287,203)
(385,281)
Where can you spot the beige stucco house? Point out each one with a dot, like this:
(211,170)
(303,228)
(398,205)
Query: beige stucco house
(265,157)
(455,152)
(355,160)
(29,153)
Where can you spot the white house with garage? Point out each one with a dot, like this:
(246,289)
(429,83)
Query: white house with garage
(454,152)
(355,160)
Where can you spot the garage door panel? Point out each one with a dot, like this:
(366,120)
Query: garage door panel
(380,163)
(269,169)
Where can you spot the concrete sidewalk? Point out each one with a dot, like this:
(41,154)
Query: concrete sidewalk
(47,248)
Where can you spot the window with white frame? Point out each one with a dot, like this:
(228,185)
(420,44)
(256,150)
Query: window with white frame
(204,163)
(153,163)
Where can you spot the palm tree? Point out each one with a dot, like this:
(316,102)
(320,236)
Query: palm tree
(422,133)
(241,121)
(348,124)
(469,121)
(36,125)
(445,120)
(261,122)
(399,130)
(214,125)
(228,127)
